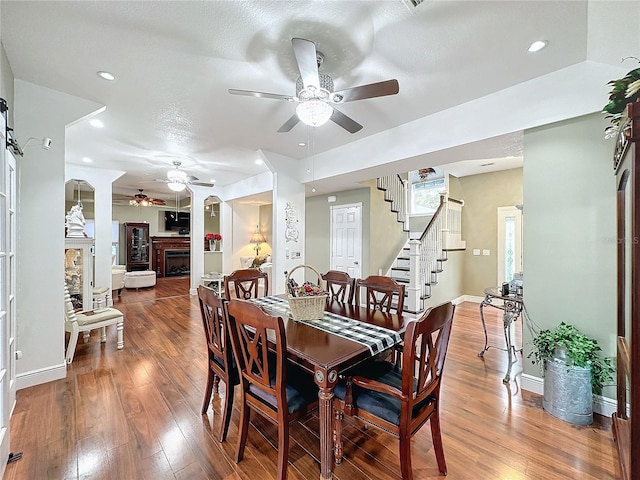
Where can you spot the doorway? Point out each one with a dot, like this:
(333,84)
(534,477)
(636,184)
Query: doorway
(509,243)
(346,239)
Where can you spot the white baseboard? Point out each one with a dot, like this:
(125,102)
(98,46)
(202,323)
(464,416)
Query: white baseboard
(43,375)
(601,405)
(467,298)
(193,291)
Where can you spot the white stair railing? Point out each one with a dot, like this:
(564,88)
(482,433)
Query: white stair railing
(396,191)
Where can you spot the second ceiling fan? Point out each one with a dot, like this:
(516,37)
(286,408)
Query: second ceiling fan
(315,95)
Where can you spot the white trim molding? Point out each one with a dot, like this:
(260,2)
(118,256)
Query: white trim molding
(43,375)
(467,298)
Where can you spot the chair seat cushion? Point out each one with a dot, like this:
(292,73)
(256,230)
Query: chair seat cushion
(301,390)
(97,316)
(379,404)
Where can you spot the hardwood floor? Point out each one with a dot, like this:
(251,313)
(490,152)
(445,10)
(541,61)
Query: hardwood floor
(134,414)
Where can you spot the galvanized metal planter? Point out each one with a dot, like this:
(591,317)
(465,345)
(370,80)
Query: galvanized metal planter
(567,390)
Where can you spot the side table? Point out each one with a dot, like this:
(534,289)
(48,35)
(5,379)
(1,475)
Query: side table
(214,281)
(512,307)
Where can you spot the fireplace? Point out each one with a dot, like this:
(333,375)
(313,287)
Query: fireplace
(176,263)
(171,256)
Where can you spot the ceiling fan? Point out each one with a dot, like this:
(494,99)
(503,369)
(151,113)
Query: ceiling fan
(315,95)
(177,180)
(141,200)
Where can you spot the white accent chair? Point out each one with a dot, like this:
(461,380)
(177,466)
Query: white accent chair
(117,277)
(87,321)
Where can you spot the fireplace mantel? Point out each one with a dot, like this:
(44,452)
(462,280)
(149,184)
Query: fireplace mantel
(161,244)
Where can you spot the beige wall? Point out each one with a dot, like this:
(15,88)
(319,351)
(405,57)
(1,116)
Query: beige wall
(482,195)
(6,83)
(387,236)
(570,231)
(318,218)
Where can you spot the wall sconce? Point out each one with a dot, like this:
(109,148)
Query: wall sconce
(257,238)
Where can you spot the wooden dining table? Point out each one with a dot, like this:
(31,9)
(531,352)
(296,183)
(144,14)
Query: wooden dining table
(326,355)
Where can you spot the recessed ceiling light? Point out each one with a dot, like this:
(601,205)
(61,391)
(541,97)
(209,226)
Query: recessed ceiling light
(259,161)
(106,75)
(94,122)
(87,160)
(302,144)
(538,45)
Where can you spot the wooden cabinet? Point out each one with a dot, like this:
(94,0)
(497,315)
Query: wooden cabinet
(78,271)
(137,240)
(626,420)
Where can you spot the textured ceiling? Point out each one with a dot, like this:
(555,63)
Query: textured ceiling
(175,61)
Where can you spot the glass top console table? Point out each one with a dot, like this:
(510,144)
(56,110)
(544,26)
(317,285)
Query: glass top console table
(511,305)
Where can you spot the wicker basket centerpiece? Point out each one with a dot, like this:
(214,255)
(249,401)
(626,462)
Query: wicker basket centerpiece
(306,301)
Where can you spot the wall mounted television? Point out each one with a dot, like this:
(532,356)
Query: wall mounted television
(177,221)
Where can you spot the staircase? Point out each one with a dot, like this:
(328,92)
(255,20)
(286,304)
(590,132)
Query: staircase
(422,259)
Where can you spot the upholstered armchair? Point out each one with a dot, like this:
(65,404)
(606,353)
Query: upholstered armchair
(117,277)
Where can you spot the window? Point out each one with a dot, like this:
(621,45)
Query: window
(425,195)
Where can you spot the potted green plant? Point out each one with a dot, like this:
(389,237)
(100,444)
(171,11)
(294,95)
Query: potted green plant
(574,371)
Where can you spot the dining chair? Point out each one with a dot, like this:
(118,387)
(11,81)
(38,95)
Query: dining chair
(221,364)
(402,401)
(86,321)
(340,285)
(246,283)
(270,386)
(380,292)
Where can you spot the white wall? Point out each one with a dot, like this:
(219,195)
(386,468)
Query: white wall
(41,112)
(569,231)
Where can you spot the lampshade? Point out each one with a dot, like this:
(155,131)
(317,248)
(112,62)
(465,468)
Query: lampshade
(176,186)
(257,238)
(314,112)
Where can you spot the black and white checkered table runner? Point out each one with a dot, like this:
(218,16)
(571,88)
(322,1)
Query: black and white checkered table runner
(375,338)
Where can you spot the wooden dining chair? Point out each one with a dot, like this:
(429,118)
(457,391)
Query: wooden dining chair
(270,386)
(340,285)
(402,401)
(380,292)
(221,364)
(245,283)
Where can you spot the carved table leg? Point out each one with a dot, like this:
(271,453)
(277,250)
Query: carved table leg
(484,327)
(337,437)
(326,381)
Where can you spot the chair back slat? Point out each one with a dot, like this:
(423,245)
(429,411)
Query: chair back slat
(252,332)
(380,292)
(425,347)
(211,310)
(340,285)
(245,283)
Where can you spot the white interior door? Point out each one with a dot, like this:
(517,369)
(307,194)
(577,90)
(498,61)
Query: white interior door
(7,293)
(509,243)
(346,239)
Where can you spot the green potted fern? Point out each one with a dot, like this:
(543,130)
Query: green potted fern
(574,371)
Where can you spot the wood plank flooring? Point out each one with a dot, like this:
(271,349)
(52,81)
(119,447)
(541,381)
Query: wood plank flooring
(135,414)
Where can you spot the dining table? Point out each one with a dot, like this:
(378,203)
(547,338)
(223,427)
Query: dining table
(345,336)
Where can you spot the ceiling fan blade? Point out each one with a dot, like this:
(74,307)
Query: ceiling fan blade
(379,89)
(289,124)
(251,93)
(191,179)
(156,201)
(348,123)
(202,184)
(306,56)
(163,180)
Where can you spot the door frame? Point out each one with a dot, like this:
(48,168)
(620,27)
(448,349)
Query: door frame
(332,208)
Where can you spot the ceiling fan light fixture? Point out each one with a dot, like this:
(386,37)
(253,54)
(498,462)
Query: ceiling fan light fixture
(176,186)
(314,112)
(177,175)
